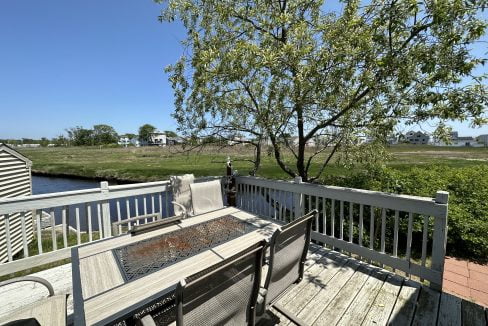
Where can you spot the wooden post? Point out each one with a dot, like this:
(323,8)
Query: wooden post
(439,238)
(106,222)
(298,199)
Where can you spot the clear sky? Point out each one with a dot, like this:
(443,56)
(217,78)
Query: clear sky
(78,63)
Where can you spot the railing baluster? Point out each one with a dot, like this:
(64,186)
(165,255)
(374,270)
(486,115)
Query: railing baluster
(351,208)
(8,240)
(137,208)
(153,209)
(280,217)
(77,217)
(395,235)
(383,229)
(409,238)
(371,228)
(99,219)
(53,231)
(318,213)
(309,208)
(144,201)
(341,220)
(24,234)
(117,203)
(275,213)
(361,226)
(332,218)
(89,222)
(65,227)
(39,231)
(324,215)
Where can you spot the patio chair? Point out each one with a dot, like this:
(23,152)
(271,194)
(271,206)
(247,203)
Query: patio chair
(180,186)
(50,311)
(288,250)
(223,294)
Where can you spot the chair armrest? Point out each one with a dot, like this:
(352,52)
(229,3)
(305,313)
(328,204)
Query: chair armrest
(185,214)
(30,279)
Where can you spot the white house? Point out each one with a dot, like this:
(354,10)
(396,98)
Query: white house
(463,141)
(157,138)
(125,140)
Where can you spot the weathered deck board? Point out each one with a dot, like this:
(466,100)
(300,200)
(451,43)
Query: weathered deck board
(385,300)
(338,290)
(427,307)
(334,311)
(449,310)
(404,308)
(472,315)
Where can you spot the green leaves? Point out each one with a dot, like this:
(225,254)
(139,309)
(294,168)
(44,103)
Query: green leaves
(269,68)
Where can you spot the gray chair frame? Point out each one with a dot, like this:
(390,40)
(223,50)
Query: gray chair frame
(30,279)
(258,248)
(36,280)
(308,219)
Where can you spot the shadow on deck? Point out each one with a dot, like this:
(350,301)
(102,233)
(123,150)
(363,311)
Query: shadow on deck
(340,290)
(336,290)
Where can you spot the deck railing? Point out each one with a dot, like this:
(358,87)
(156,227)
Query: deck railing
(407,233)
(74,217)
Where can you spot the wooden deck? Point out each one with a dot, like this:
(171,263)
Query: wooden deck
(336,290)
(339,290)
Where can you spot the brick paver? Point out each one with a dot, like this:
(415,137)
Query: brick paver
(466,279)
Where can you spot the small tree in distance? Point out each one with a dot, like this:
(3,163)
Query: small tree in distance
(145,132)
(270,69)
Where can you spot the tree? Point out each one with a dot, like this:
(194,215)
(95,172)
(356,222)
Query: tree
(104,134)
(145,132)
(170,133)
(272,68)
(80,136)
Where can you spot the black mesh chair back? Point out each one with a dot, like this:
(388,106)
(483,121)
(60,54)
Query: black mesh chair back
(288,250)
(224,294)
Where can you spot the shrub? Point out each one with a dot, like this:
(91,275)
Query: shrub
(468,199)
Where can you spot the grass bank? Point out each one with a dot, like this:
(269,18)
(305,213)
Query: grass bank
(153,163)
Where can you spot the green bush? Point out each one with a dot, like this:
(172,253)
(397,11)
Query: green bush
(468,199)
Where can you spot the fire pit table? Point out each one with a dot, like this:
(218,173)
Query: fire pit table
(116,277)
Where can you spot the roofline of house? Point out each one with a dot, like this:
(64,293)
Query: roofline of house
(13,152)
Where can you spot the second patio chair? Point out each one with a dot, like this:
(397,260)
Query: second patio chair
(288,250)
(223,294)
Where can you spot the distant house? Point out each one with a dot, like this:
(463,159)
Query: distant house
(157,138)
(417,138)
(482,139)
(125,140)
(170,141)
(237,140)
(15,181)
(463,141)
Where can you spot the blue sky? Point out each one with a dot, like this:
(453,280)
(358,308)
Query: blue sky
(78,63)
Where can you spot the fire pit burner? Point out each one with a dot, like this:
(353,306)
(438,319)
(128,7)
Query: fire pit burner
(150,255)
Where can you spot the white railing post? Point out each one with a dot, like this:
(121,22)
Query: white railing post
(106,222)
(439,240)
(298,199)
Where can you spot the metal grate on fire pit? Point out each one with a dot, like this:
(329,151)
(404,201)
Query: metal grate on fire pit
(150,255)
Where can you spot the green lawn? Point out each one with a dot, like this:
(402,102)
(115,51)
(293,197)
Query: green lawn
(149,164)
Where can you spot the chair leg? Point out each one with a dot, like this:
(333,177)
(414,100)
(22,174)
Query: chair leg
(289,315)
